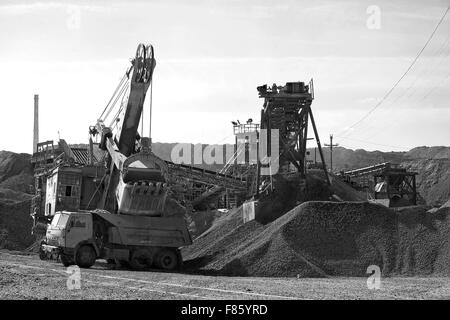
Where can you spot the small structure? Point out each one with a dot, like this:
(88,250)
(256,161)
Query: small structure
(243,164)
(362,178)
(73,188)
(67,177)
(395,185)
(385,183)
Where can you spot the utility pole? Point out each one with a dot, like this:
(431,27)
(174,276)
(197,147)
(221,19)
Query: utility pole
(331,145)
(314,149)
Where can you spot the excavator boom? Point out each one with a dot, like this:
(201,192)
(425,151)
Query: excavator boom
(143,66)
(136,183)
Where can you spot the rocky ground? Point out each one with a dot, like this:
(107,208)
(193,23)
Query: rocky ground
(27,277)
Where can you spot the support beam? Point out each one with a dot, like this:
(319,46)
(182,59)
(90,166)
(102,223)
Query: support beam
(319,145)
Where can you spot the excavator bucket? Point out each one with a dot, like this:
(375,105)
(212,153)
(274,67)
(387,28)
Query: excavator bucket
(142,189)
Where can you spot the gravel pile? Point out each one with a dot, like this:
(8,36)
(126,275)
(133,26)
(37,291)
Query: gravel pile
(319,190)
(200,221)
(213,249)
(319,238)
(287,195)
(423,241)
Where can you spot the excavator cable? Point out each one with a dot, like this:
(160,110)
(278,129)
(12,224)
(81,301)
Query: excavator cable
(123,95)
(115,91)
(117,97)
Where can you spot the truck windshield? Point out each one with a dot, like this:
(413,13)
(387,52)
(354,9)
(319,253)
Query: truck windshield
(60,219)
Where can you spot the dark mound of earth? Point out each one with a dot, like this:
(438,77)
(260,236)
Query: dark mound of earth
(319,238)
(15,225)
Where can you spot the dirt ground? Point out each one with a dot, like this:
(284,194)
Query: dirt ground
(27,277)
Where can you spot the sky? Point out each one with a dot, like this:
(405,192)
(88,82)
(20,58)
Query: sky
(211,56)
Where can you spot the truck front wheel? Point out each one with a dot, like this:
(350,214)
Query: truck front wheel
(66,260)
(85,256)
(167,259)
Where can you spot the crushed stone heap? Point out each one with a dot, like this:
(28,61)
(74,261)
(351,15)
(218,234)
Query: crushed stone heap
(321,238)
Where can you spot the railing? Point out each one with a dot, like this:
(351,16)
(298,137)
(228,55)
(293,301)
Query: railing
(245,128)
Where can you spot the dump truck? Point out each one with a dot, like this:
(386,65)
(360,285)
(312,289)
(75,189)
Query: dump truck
(130,225)
(141,242)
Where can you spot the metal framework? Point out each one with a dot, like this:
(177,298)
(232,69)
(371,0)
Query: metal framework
(395,185)
(386,182)
(195,186)
(288,109)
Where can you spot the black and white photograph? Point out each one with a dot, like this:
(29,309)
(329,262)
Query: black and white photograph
(214,156)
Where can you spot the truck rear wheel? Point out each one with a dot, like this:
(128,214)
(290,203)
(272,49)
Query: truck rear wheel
(167,259)
(124,264)
(141,259)
(85,256)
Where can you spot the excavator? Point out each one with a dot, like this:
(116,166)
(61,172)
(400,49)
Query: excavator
(131,225)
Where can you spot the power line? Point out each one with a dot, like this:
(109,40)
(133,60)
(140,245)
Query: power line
(404,74)
(436,87)
(408,92)
(403,98)
(441,57)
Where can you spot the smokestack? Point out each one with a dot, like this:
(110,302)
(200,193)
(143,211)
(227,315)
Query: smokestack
(36,123)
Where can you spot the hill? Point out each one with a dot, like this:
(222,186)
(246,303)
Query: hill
(15,171)
(433,179)
(440,152)
(347,159)
(16,176)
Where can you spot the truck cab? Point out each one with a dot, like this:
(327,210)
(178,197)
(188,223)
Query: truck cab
(67,229)
(65,234)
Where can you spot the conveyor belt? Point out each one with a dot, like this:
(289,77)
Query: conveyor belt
(209,177)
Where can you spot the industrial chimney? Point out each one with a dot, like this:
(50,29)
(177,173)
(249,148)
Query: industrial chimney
(36,123)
